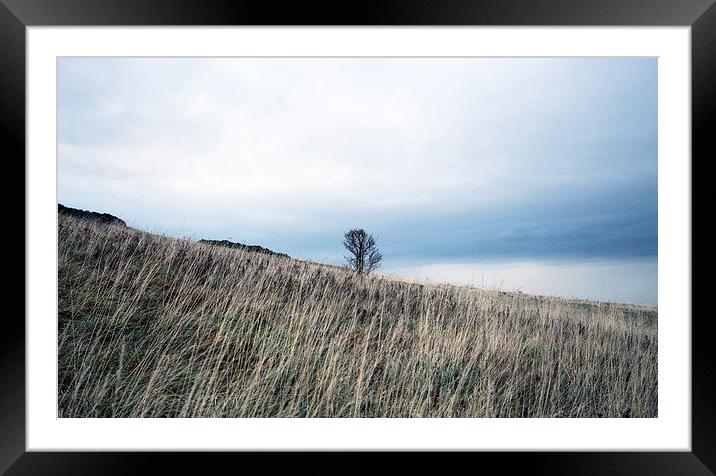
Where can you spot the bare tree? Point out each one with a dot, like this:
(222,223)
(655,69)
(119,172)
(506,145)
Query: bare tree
(363,255)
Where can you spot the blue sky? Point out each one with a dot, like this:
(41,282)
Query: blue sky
(447,160)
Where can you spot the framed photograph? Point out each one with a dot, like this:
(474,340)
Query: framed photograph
(414,227)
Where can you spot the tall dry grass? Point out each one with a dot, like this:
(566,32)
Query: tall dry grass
(151,326)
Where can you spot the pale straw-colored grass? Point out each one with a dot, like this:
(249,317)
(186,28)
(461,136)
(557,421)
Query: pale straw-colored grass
(151,326)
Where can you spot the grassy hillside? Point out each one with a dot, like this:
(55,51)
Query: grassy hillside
(151,326)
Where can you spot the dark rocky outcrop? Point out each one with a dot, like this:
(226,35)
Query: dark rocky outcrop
(241,246)
(104,218)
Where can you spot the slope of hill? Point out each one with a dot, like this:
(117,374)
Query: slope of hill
(104,218)
(151,326)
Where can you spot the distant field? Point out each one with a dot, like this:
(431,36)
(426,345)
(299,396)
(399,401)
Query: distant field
(151,326)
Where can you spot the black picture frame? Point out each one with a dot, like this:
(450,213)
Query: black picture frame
(16,15)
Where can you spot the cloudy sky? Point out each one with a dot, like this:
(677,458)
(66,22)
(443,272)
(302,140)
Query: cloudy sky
(535,174)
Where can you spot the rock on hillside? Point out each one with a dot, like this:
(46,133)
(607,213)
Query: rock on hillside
(241,246)
(104,218)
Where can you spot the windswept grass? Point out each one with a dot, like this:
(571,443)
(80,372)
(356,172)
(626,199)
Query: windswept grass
(151,326)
